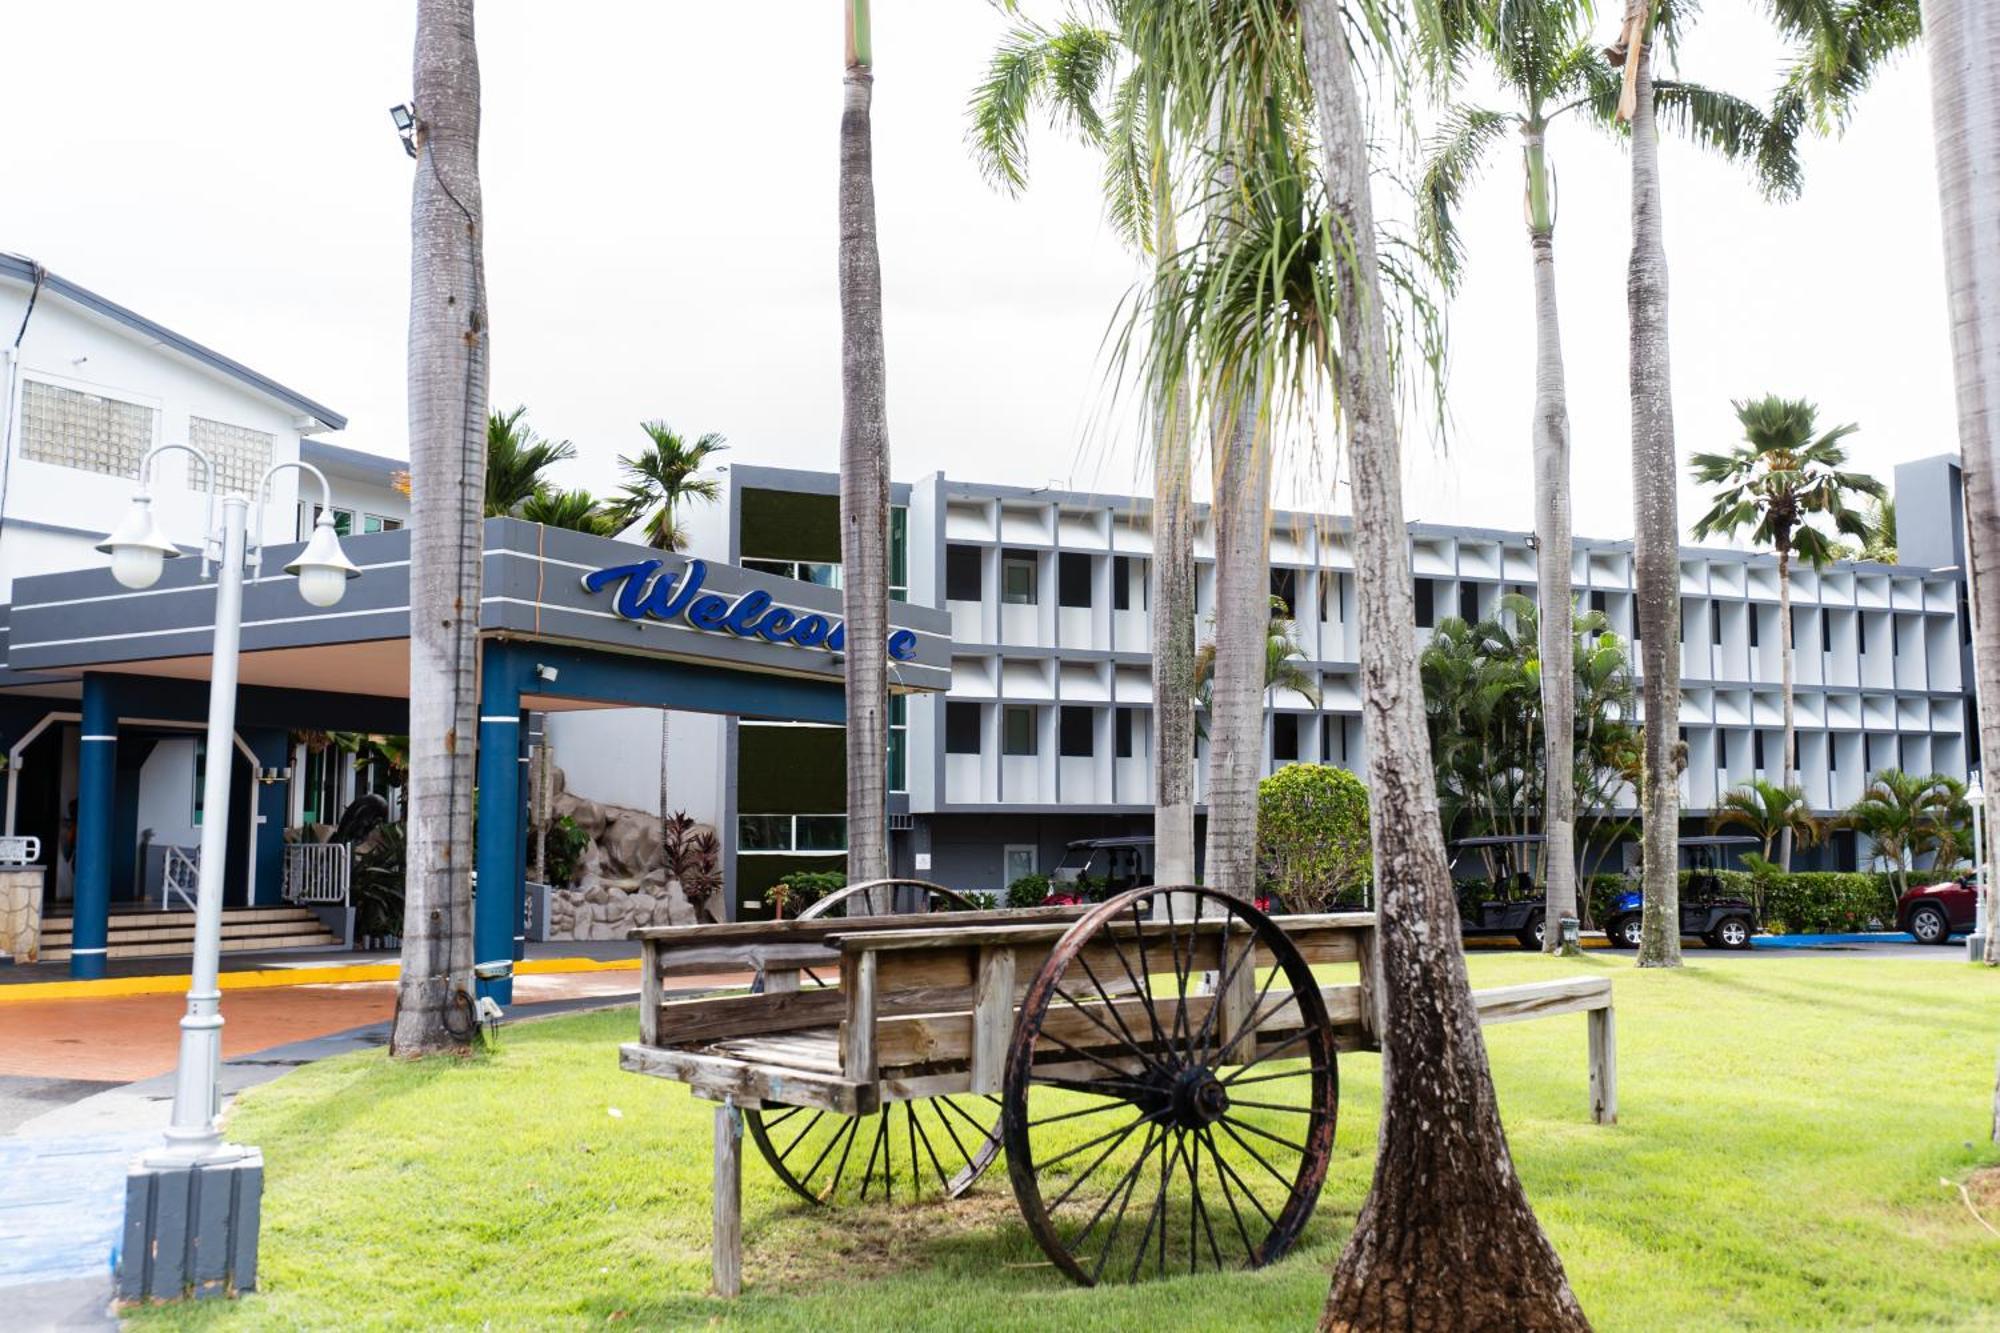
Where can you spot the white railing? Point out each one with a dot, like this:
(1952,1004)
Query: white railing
(317,872)
(180,873)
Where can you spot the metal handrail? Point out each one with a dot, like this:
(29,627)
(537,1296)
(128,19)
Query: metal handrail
(180,873)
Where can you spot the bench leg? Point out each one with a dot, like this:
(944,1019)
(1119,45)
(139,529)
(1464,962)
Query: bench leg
(728,1259)
(1603,1065)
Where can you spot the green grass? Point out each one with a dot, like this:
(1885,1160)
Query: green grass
(1784,1126)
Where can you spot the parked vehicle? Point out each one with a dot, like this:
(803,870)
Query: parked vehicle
(1719,919)
(1512,908)
(1099,867)
(1933,913)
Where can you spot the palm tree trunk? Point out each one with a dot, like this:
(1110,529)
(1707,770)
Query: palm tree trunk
(1656,531)
(1552,573)
(1173,615)
(1785,660)
(448,361)
(1242,620)
(1445,1198)
(1963,39)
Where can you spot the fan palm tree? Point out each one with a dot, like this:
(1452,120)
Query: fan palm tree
(1767,811)
(663,477)
(1743,131)
(864,469)
(448,366)
(516,458)
(1777,483)
(1077,74)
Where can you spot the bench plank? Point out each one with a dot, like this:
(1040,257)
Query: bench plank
(723,1078)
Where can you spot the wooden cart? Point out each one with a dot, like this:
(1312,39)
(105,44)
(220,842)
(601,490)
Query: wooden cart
(1159,1070)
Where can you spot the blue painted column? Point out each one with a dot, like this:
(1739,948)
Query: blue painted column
(496,911)
(96,800)
(273,750)
(520,873)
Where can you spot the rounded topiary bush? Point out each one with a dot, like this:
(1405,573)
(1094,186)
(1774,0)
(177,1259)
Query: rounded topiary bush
(1312,835)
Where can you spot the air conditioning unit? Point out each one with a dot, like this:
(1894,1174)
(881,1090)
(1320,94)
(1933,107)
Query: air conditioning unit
(902,823)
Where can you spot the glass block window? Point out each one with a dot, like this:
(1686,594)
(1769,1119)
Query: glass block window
(240,454)
(84,430)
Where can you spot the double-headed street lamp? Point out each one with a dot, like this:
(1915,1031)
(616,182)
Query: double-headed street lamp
(139,551)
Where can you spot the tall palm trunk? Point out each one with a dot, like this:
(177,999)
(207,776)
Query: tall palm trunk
(1656,526)
(1242,618)
(448,375)
(864,473)
(1173,647)
(1552,563)
(1789,770)
(1446,1238)
(1963,37)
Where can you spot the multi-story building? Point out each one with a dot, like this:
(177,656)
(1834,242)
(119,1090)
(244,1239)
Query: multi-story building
(1046,733)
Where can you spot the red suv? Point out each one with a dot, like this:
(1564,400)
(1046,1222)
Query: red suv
(1933,913)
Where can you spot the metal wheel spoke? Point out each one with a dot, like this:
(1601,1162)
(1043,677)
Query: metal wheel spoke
(832,1140)
(1222,1163)
(1131,1184)
(1226,979)
(1180,1024)
(881,1131)
(985,1131)
(840,1171)
(1250,1025)
(1088,1171)
(1228,1127)
(1080,1053)
(1088,1011)
(1272,1106)
(1075,1115)
(1105,995)
(777,1120)
(1155,1214)
(1237,1079)
(929,1151)
(1095,1085)
(1192,1153)
(786,1155)
(1298,1148)
(945,1120)
(1143,988)
(1150,1116)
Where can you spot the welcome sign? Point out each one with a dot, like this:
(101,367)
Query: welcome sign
(644,593)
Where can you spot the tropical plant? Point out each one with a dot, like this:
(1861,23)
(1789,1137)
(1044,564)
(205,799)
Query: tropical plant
(1078,75)
(1779,483)
(1312,836)
(1282,655)
(1880,544)
(1768,812)
(693,857)
(1028,890)
(563,851)
(378,883)
(661,478)
(448,365)
(1739,130)
(516,458)
(576,510)
(1902,815)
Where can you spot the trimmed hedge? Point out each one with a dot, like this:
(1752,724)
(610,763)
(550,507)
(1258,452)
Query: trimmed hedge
(1805,903)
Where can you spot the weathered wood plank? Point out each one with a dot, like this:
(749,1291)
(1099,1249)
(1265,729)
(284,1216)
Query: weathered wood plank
(973,935)
(1540,999)
(694,960)
(721,1076)
(711,1018)
(739,932)
(727,1249)
(1603,1065)
(992,1018)
(649,996)
(860,1030)
(781,980)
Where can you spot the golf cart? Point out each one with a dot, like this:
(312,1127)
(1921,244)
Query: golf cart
(1100,866)
(1513,906)
(1721,920)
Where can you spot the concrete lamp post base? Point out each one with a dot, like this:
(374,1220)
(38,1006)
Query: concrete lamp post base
(191,1228)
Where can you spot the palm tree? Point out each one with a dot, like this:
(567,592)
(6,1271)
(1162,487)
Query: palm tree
(516,458)
(448,365)
(1777,482)
(1769,812)
(1880,544)
(1742,131)
(864,469)
(1282,655)
(1897,812)
(578,511)
(663,477)
(1078,75)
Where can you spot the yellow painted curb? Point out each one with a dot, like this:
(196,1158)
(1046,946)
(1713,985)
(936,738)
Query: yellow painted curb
(264,978)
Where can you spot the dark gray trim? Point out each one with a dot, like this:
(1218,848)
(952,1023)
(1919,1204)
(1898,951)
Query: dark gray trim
(23,270)
(346,462)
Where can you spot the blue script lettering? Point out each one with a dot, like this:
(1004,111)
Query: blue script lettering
(644,593)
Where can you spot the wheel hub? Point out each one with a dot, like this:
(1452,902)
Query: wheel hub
(1199,1098)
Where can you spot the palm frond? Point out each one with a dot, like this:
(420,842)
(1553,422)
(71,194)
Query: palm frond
(1456,157)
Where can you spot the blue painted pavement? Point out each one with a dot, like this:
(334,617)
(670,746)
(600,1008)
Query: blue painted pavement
(62,1204)
(1828,941)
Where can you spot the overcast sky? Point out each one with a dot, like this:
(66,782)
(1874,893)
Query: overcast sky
(659,185)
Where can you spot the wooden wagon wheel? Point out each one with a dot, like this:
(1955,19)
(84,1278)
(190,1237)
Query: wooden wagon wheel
(915,1149)
(1152,1063)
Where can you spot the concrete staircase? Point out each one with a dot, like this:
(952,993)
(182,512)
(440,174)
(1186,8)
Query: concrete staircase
(156,934)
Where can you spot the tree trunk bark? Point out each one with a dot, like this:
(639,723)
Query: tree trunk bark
(1173,646)
(1785,662)
(1242,617)
(1552,573)
(448,366)
(864,484)
(1656,529)
(1963,40)
(1446,1238)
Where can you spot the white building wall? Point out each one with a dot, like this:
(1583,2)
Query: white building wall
(612,755)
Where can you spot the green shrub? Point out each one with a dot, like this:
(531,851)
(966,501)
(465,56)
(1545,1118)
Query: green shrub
(376,882)
(1809,902)
(1312,835)
(562,852)
(1028,890)
(802,889)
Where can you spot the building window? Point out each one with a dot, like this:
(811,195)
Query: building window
(819,833)
(1121,583)
(1757,750)
(1285,736)
(1468,603)
(1076,727)
(1285,587)
(1017,730)
(763,833)
(1895,639)
(899,555)
(1017,578)
(343,520)
(822,573)
(962,580)
(200,778)
(899,742)
(961,728)
(1332,738)
(1860,633)
(1832,754)
(1122,732)
(1755,616)
(1426,603)
(240,455)
(1015,863)
(377,523)
(1072,579)
(1598,601)
(1715,622)
(824,834)
(1826,631)
(83,430)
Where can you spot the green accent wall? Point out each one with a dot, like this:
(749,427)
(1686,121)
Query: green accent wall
(791,770)
(789,525)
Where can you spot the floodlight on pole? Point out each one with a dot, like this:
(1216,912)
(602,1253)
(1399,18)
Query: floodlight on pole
(404,117)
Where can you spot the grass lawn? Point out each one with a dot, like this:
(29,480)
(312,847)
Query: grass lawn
(1784,1126)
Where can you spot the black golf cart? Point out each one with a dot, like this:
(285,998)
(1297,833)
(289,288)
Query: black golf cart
(1719,919)
(1510,905)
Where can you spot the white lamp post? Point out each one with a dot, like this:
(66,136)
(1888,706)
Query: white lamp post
(1975,796)
(138,553)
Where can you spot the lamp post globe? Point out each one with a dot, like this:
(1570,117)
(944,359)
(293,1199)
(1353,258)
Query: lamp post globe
(138,549)
(323,569)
